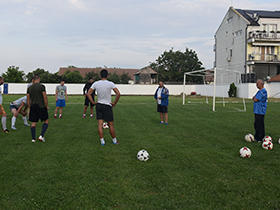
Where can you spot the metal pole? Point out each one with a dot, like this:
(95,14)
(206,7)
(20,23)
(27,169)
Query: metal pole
(214,92)
(184,89)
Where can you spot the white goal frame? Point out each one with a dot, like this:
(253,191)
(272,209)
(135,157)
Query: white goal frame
(227,72)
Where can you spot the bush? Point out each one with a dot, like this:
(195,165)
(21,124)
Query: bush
(232,90)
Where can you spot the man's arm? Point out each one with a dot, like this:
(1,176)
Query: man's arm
(90,91)
(56,91)
(28,99)
(45,99)
(21,106)
(118,95)
(66,97)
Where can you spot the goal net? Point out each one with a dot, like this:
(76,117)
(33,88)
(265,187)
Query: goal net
(216,83)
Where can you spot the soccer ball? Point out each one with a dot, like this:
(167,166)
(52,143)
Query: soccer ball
(245,152)
(267,138)
(249,138)
(143,155)
(279,141)
(105,125)
(267,145)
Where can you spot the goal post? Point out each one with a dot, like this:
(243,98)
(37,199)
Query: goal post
(224,76)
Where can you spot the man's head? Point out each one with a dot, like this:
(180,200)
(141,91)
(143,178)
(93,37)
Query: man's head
(90,80)
(33,78)
(36,78)
(62,82)
(160,84)
(104,73)
(1,80)
(260,84)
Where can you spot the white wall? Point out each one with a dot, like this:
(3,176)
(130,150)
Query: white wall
(248,90)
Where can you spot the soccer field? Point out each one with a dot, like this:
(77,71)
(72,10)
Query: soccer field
(194,161)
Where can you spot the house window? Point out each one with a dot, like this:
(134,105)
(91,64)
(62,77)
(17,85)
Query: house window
(230,19)
(238,33)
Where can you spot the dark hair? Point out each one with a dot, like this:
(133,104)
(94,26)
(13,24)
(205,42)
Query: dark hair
(89,78)
(62,80)
(103,73)
(36,76)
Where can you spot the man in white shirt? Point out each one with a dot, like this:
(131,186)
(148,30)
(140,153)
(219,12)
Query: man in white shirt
(2,111)
(104,106)
(16,107)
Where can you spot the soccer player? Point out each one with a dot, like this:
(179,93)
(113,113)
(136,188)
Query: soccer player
(161,95)
(260,105)
(16,107)
(60,97)
(104,107)
(85,90)
(2,111)
(38,102)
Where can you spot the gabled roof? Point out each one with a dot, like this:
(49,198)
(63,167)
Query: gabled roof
(146,70)
(83,71)
(253,15)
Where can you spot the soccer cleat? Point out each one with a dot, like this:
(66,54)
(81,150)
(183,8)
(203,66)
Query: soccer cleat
(55,116)
(166,123)
(33,140)
(41,138)
(102,142)
(161,123)
(91,115)
(14,128)
(84,116)
(6,131)
(60,116)
(115,142)
(27,124)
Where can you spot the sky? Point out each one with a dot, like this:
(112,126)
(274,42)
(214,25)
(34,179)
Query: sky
(118,33)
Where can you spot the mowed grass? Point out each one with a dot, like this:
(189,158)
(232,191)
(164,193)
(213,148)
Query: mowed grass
(194,161)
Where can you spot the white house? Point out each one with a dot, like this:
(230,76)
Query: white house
(248,41)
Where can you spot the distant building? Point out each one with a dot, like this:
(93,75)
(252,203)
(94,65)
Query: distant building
(146,75)
(248,41)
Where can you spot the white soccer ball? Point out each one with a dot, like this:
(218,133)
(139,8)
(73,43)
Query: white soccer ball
(245,152)
(249,138)
(267,138)
(143,155)
(268,145)
(279,141)
(105,125)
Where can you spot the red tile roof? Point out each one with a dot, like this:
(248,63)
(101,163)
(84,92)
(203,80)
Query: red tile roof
(275,79)
(83,71)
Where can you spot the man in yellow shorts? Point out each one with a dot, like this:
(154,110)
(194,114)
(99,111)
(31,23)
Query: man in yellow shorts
(2,111)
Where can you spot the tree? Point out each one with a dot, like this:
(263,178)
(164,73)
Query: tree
(73,77)
(114,78)
(92,74)
(14,75)
(72,66)
(172,65)
(124,78)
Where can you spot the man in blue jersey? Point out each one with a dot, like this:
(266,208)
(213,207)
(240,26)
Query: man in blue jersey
(260,105)
(104,106)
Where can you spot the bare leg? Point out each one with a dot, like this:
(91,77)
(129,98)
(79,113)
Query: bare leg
(91,110)
(166,117)
(85,109)
(100,128)
(56,109)
(60,110)
(112,129)
(161,116)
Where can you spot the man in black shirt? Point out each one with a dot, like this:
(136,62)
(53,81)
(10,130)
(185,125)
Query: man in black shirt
(85,90)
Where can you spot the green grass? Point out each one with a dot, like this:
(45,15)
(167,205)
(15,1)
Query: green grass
(194,161)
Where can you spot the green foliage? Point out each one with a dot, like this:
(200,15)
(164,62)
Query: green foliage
(114,78)
(232,90)
(72,77)
(71,66)
(192,165)
(92,74)
(124,78)
(172,64)
(46,76)
(14,75)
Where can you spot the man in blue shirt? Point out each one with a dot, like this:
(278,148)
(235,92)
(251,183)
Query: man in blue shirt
(260,105)
(161,95)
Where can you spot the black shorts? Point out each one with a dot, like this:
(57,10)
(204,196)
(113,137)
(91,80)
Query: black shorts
(87,101)
(104,112)
(37,113)
(162,109)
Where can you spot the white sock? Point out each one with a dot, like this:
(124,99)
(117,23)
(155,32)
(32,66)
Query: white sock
(115,140)
(55,115)
(13,121)
(4,123)
(102,141)
(24,120)
(60,115)
(84,115)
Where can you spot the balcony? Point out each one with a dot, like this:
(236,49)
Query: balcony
(264,58)
(264,37)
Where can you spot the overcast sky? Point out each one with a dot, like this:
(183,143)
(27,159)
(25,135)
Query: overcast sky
(118,33)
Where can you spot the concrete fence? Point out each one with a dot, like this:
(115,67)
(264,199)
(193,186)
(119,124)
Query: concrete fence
(246,90)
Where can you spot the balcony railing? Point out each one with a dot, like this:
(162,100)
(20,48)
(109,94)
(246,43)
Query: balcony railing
(264,35)
(264,57)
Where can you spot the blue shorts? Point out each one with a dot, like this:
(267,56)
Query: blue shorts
(60,103)
(13,107)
